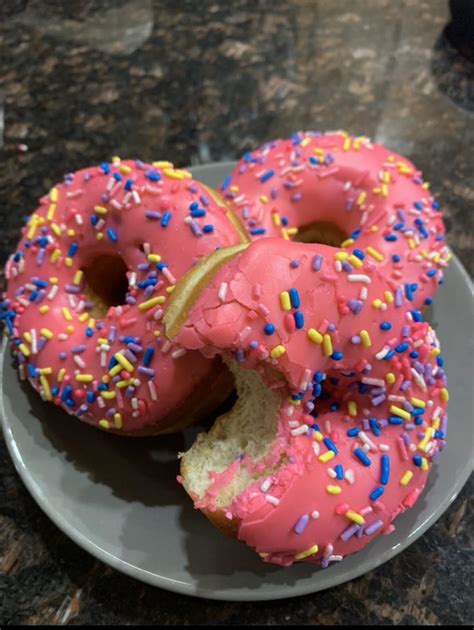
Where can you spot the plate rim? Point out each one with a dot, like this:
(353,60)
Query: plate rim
(190,589)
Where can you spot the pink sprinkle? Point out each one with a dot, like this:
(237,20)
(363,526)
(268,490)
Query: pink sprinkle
(402,449)
(290,323)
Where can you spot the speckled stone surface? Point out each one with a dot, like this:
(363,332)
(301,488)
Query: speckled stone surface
(203,81)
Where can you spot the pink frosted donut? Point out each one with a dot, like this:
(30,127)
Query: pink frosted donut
(88,284)
(376,199)
(352,392)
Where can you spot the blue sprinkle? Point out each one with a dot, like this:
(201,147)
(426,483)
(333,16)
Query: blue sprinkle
(41,284)
(362,457)
(385,326)
(165,219)
(111,234)
(389,355)
(418,420)
(148,356)
(376,493)
(199,212)
(401,347)
(396,258)
(65,394)
(269,329)
(89,332)
(104,167)
(435,205)
(330,445)
(294,298)
(391,238)
(417,411)
(72,249)
(395,420)
(413,354)
(55,390)
(102,387)
(439,360)
(416,316)
(257,231)
(358,253)
(128,185)
(266,176)
(208,228)
(318,377)
(93,219)
(428,301)
(418,205)
(317,389)
(33,296)
(431,272)
(153,176)
(439,435)
(373,426)
(117,177)
(226,183)
(398,226)
(336,356)
(90,397)
(352,432)
(339,470)
(299,319)
(417,460)
(384,469)
(31,371)
(334,406)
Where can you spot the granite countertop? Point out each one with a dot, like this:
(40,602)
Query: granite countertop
(195,82)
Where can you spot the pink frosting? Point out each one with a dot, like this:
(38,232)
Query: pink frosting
(382,381)
(127,209)
(370,193)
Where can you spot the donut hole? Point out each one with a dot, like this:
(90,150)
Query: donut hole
(106,283)
(324,232)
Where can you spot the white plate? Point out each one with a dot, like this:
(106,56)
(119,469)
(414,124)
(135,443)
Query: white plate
(118,498)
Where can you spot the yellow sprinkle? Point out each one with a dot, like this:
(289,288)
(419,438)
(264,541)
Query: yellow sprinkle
(444,394)
(53,194)
(374,228)
(124,169)
(352,408)
(100,209)
(66,314)
(333,489)
(417,402)
(78,276)
(386,177)
(68,261)
(45,332)
(264,198)
(318,436)
(234,189)
(56,229)
(118,420)
(435,422)
(314,335)
(388,295)
(176,174)
(124,362)
(277,351)
(292,231)
(82,317)
(105,378)
(308,552)
(401,413)
(100,236)
(327,345)
(404,481)
(101,340)
(46,388)
(285,301)
(341,256)
(377,303)
(411,243)
(154,258)
(91,323)
(375,254)
(327,456)
(347,242)
(116,160)
(53,280)
(105,424)
(69,329)
(355,262)
(46,370)
(170,289)
(384,188)
(276,219)
(55,255)
(424,463)
(43,309)
(294,402)
(61,374)
(32,229)
(71,232)
(429,432)
(122,384)
(145,306)
(435,352)
(361,198)
(390,378)
(284,234)
(27,336)
(156,333)
(263,554)
(365,338)
(84,378)
(354,516)
(51,211)
(108,395)
(347,144)
(305,142)
(24,349)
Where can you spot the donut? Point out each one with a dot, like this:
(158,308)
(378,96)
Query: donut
(344,191)
(341,408)
(89,282)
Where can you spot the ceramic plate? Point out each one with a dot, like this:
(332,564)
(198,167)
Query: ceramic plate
(118,498)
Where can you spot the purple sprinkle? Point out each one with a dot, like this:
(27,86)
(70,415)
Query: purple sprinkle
(62,355)
(295,264)
(41,296)
(355,339)
(317,262)
(365,424)
(332,327)
(82,409)
(253,345)
(148,290)
(295,197)
(239,355)
(111,335)
(349,203)
(405,385)
(130,356)
(134,347)
(324,562)
(398,297)
(151,214)
(301,524)
(360,532)
(130,299)
(204,200)
(70,288)
(40,257)
(129,391)
(144,370)
(41,343)
(373,527)
(78,349)
(409,426)
(346,266)
(406,438)
(378,400)
(274,193)
(143,266)
(406,331)
(382,423)
(349,532)
(195,228)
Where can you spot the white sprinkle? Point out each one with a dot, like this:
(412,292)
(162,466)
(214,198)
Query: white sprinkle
(103,359)
(134,402)
(359,277)
(78,219)
(266,485)
(335,558)
(133,278)
(168,275)
(99,225)
(363,294)
(338,265)
(136,197)
(271,499)
(100,402)
(316,448)
(315,514)
(24,302)
(332,473)
(303,428)
(380,355)
(420,381)
(222,291)
(166,346)
(394,398)
(293,423)
(373,381)
(158,314)
(349,476)
(62,337)
(34,347)
(384,447)
(116,204)
(152,389)
(244,333)
(52,293)
(79,361)
(178,353)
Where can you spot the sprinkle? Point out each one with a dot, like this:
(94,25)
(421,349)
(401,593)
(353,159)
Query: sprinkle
(326,457)
(333,489)
(285,300)
(406,477)
(66,314)
(308,552)
(301,524)
(359,277)
(100,210)
(355,517)
(271,499)
(362,457)
(352,408)
(317,262)
(294,298)
(376,255)
(125,363)
(327,345)
(277,351)
(373,527)
(314,335)
(145,306)
(376,493)
(222,291)
(384,469)
(399,412)
(365,338)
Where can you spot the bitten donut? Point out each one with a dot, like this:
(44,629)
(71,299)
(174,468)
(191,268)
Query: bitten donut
(335,188)
(341,406)
(89,282)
